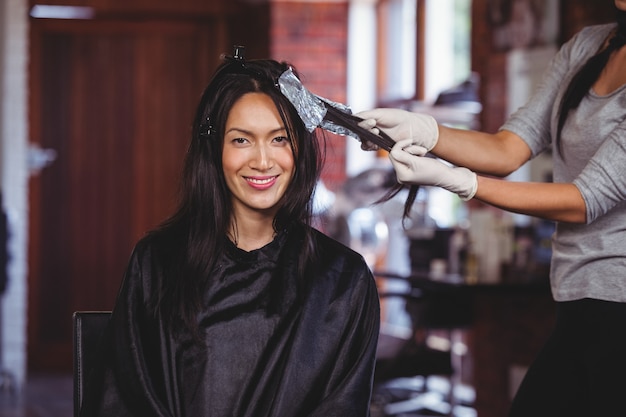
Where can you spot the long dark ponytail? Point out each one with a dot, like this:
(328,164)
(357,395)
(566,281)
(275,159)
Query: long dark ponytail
(588,74)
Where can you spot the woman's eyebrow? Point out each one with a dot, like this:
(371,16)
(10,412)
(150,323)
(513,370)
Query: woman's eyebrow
(248,132)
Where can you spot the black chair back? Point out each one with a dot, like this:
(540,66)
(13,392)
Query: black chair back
(88,329)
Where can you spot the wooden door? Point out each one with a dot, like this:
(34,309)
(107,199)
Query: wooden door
(115,100)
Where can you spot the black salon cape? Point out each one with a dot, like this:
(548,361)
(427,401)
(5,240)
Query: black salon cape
(267,350)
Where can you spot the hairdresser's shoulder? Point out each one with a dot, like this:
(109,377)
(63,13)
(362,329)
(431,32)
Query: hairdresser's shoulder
(585,43)
(593,35)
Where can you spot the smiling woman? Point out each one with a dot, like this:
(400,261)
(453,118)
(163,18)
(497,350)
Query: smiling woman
(236,306)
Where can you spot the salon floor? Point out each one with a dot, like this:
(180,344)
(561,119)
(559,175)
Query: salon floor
(42,396)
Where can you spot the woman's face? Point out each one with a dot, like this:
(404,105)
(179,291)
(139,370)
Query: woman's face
(257,156)
(620,4)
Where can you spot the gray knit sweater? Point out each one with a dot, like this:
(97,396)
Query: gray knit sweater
(589,261)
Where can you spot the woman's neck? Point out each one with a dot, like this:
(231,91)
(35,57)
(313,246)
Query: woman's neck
(250,233)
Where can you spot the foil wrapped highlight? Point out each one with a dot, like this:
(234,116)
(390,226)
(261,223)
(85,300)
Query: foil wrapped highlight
(310,107)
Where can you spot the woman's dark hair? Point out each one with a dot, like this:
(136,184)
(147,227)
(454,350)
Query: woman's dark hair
(193,238)
(588,74)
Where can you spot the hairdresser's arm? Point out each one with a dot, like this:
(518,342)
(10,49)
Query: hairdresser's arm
(552,201)
(558,202)
(496,154)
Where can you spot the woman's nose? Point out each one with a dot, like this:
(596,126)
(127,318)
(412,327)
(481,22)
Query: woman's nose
(263,157)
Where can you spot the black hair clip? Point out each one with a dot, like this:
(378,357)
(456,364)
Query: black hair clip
(206,129)
(237,63)
(239,54)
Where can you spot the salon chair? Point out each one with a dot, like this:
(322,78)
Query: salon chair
(401,381)
(87,332)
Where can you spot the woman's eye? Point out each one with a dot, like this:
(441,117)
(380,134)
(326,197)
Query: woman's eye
(281,139)
(239,141)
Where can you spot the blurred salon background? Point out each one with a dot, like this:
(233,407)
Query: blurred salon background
(96,99)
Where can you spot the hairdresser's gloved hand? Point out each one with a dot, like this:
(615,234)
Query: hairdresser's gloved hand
(399,125)
(413,167)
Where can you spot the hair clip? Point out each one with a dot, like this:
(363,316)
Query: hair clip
(206,129)
(239,54)
(238,63)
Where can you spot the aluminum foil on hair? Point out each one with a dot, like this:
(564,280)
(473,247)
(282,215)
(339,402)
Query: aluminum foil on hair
(310,107)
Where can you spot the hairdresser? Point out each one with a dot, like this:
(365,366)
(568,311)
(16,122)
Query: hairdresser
(579,112)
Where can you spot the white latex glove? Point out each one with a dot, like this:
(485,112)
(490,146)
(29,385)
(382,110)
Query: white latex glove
(412,167)
(400,125)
